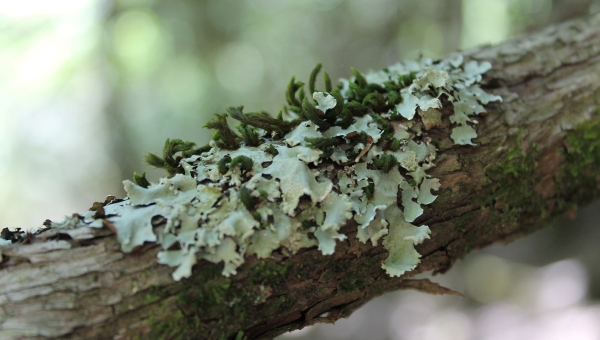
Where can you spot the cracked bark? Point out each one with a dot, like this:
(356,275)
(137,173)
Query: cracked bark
(79,285)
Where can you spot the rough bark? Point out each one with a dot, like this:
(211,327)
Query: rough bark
(537,158)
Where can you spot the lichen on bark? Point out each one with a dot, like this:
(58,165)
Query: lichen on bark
(208,206)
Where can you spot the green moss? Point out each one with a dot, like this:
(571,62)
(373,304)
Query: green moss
(310,113)
(369,190)
(360,80)
(322,143)
(245,163)
(150,298)
(274,306)
(393,96)
(290,94)
(262,120)
(313,78)
(407,79)
(349,285)
(223,164)
(375,101)
(384,124)
(357,109)
(385,162)
(339,106)
(354,282)
(141,179)
(364,98)
(223,136)
(249,135)
(168,328)
(327,81)
(247,199)
(272,150)
(461,223)
(208,291)
(512,182)
(395,145)
(268,273)
(579,180)
(170,158)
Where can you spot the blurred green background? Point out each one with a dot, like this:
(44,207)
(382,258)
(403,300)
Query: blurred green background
(88,86)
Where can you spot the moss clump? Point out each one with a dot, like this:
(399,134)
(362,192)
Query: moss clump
(580,178)
(249,135)
(386,162)
(223,136)
(209,291)
(272,150)
(375,101)
(269,273)
(247,199)
(313,78)
(223,164)
(369,190)
(170,158)
(362,99)
(156,294)
(512,184)
(395,145)
(262,120)
(388,130)
(322,143)
(141,179)
(243,162)
(357,109)
(168,328)
(577,183)
(290,94)
(314,115)
(358,276)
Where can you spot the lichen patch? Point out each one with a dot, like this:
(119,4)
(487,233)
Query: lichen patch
(269,186)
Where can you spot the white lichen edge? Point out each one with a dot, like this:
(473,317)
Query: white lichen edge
(298,206)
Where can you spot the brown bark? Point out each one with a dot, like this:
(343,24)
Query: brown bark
(528,169)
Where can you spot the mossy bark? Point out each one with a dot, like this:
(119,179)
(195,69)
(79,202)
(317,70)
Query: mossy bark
(538,157)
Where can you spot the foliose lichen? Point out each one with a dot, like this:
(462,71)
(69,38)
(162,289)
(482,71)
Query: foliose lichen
(268,188)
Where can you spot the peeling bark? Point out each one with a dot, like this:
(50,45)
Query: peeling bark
(535,161)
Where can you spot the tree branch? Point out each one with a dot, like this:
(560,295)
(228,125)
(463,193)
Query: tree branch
(538,157)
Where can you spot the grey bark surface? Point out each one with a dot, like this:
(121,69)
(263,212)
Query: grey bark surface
(77,284)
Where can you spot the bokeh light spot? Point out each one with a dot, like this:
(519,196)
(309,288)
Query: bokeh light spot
(184,82)
(240,67)
(562,284)
(487,278)
(138,39)
(484,22)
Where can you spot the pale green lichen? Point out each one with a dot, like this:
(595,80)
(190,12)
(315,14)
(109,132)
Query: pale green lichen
(325,101)
(365,124)
(296,179)
(337,209)
(400,241)
(233,199)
